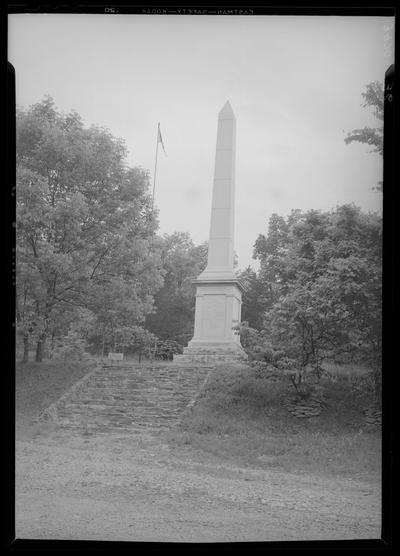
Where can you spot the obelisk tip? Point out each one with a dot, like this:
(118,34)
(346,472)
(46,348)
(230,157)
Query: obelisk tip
(226,110)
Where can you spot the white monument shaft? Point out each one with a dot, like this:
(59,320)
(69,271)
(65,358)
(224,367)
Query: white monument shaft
(218,292)
(220,249)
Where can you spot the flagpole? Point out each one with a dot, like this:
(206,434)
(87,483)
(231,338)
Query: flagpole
(155,169)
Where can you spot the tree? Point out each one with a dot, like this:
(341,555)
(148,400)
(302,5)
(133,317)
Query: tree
(326,276)
(255,299)
(373,136)
(175,301)
(262,287)
(373,97)
(84,227)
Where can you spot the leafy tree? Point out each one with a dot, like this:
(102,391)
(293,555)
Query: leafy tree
(373,97)
(84,227)
(271,249)
(373,136)
(326,276)
(175,301)
(166,349)
(262,287)
(131,339)
(71,348)
(255,298)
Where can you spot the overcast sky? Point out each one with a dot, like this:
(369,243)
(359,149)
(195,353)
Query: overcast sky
(294,83)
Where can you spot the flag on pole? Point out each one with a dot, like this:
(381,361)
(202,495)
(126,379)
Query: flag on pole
(160,139)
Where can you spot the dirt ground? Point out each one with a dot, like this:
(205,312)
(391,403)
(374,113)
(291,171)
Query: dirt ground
(138,488)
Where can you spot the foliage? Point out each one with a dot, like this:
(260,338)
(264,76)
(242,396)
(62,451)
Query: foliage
(166,349)
(256,298)
(84,228)
(130,339)
(262,288)
(71,348)
(373,136)
(374,98)
(322,272)
(182,262)
(255,342)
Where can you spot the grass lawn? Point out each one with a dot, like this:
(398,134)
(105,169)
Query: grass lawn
(240,417)
(37,385)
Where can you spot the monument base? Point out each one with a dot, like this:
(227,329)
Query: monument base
(215,339)
(211,353)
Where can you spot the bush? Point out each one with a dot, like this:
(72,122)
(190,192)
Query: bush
(364,385)
(71,348)
(166,349)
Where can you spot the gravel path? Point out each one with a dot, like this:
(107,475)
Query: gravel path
(135,488)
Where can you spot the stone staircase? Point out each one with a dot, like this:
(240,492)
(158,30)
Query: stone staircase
(122,397)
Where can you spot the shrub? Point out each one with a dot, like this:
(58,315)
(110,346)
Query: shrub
(72,348)
(166,349)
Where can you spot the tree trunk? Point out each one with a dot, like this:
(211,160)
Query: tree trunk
(25,357)
(53,336)
(40,348)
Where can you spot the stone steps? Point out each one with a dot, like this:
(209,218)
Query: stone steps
(129,398)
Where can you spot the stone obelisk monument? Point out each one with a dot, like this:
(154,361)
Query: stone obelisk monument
(218,292)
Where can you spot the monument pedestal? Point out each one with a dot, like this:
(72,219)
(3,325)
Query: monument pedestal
(218,308)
